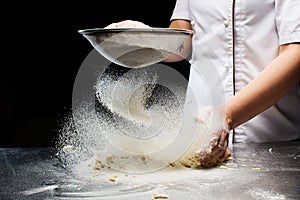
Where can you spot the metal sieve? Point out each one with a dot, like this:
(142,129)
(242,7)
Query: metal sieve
(136,47)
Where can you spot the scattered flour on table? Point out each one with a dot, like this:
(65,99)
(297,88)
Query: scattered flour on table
(260,194)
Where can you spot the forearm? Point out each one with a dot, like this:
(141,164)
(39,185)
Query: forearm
(266,89)
(187,45)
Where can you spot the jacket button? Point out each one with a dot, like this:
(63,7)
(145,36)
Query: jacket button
(226,23)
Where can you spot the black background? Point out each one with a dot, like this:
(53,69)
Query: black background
(42,52)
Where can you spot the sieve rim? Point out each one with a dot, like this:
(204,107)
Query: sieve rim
(93,31)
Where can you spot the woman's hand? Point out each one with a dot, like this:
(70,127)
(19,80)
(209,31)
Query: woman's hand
(218,151)
(215,153)
(186,49)
(210,144)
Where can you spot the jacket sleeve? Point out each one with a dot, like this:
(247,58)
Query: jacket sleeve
(181,10)
(287,19)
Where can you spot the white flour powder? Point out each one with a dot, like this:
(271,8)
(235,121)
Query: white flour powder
(135,118)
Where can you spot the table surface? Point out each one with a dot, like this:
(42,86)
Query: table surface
(257,171)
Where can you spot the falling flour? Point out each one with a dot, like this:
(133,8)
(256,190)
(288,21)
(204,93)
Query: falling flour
(132,116)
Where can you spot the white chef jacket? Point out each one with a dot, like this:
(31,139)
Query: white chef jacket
(240,38)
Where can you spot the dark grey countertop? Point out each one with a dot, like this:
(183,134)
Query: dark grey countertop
(258,171)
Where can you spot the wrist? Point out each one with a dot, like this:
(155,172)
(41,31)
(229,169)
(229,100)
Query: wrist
(228,119)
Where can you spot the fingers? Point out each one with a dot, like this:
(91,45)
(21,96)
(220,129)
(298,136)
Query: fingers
(219,151)
(223,142)
(227,153)
(207,160)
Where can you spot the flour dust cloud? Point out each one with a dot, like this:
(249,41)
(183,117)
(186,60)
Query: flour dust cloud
(130,124)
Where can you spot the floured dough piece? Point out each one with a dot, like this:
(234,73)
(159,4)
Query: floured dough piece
(128,24)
